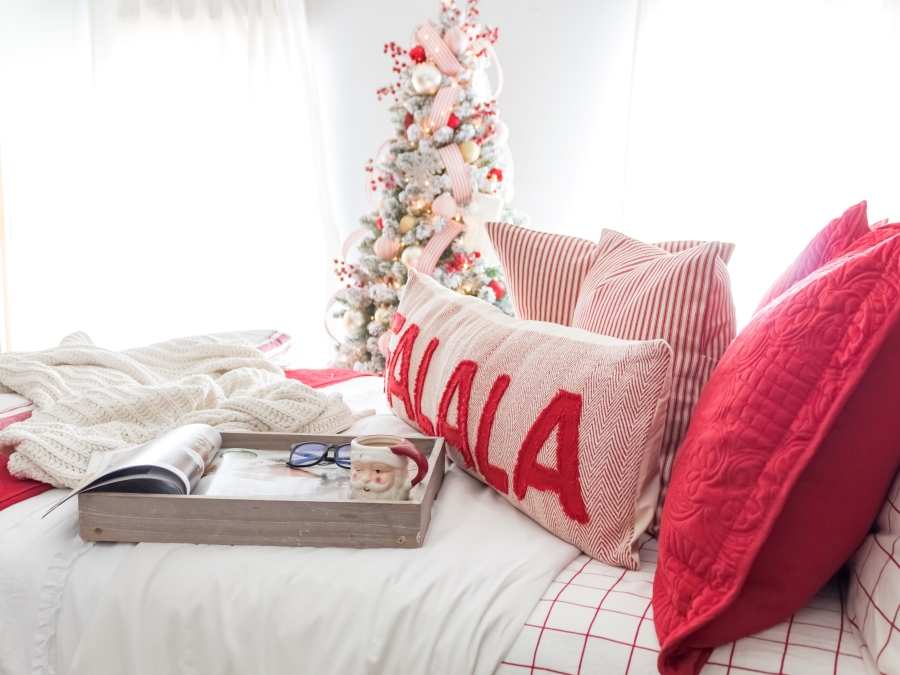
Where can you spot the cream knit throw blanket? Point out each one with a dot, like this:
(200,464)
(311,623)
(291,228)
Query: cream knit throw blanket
(91,399)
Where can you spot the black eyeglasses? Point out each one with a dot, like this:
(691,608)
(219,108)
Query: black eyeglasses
(311,453)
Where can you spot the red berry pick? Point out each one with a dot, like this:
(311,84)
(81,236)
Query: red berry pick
(417,54)
(498,288)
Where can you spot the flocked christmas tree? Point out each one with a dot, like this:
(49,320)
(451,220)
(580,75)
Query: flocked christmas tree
(445,173)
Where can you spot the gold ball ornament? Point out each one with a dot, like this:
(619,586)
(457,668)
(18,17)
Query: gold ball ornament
(406,223)
(426,79)
(381,314)
(410,255)
(470,151)
(354,320)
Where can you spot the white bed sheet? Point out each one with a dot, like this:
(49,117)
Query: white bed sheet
(51,582)
(591,620)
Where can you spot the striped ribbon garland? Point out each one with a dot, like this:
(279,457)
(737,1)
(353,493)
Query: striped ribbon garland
(458,171)
(441,107)
(354,237)
(440,53)
(436,246)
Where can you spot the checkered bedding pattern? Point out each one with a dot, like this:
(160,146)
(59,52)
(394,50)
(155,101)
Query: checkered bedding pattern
(596,619)
(873,605)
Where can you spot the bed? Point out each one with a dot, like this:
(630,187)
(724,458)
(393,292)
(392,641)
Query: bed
(586,617)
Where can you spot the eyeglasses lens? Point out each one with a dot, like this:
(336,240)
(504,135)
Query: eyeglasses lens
(342,456)
(307,454)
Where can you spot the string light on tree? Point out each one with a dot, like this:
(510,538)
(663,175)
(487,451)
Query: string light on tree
(434,183)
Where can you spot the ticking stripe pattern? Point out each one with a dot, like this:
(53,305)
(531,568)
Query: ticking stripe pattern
(442,106)
(439,52)
(458,171)
(638,291)
(436,247)
(544,271)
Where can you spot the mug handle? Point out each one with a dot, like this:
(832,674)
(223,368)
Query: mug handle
(407,449)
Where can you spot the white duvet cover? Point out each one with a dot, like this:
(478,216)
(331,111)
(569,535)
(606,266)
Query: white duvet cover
(454,606)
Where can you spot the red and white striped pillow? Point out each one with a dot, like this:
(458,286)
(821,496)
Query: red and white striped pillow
(638,291)
(565,423)
(544,271)
(678,291)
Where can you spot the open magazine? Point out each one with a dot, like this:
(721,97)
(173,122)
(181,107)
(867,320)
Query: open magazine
(190,460)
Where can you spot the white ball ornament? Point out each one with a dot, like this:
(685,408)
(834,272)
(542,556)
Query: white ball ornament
(470,151)
(354,320)
(406,223)
(410,255)
(426,79)
(455,39)
(386,247)
(445,206)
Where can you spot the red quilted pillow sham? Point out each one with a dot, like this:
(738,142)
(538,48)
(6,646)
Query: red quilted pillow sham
(827,245)
(564,423)
(788,458)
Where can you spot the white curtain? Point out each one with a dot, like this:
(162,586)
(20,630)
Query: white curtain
(162,175)
(758,122)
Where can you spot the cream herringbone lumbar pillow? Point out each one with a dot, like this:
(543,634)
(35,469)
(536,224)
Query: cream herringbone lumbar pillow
(565,423)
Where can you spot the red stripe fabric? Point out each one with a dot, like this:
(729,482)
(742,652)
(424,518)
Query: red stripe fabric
(637,291)
(544,271)
(324,377)
(725,252)
(442,106)
(439,52)
(436,247)
(458,171)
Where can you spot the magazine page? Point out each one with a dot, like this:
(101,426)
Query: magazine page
(243,472)
(173,463)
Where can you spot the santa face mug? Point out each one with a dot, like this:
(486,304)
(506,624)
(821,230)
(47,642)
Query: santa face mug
(379,468)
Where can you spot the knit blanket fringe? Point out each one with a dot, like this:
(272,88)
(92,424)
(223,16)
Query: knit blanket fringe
(90,399)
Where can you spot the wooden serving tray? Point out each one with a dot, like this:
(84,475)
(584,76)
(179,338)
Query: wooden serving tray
(267,521)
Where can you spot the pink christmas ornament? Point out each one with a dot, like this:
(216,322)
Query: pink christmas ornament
(501,133)
(455,39)
(384,344)
(445,206)
(386,247)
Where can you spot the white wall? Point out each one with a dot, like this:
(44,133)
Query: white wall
(755,123)
(567,68)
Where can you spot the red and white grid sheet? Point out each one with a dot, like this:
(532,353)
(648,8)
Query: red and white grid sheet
(595,619)
(873,604)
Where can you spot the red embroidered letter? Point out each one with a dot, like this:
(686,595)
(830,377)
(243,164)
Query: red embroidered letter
(425,425)
(397,322)
(494,476)
(563,414)
(461,383)
(399,386)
